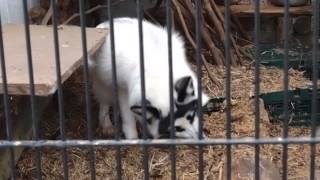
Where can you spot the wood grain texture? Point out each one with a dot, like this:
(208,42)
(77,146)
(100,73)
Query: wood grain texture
(268,10)
(43,56)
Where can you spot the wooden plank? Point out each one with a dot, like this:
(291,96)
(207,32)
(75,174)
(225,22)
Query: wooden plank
(43,55)
(268,10)
(22,130)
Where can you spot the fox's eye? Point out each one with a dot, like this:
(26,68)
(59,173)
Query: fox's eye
(179,129)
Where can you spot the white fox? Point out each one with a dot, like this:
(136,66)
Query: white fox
(126,36)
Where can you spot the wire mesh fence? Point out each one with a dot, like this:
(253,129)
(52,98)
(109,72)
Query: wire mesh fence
(200,141)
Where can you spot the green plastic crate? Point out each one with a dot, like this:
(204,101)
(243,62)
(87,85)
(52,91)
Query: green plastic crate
(272,55)
(299,109)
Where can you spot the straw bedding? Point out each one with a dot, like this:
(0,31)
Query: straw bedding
(242,88)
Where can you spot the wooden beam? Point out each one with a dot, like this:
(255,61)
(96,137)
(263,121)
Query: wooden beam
(43,56)
(268,10)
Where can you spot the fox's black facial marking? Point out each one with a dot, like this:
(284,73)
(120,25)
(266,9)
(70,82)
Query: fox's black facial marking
(179,129)
(190,117)
(184,88)
(192,92)
(181,111)
(149,120)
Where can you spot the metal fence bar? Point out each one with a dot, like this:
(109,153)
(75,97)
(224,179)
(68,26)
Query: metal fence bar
(35,127)
(91,143)
(60,91)
(156,142)
(315,66)
(228,84)
(115,91)
(257,87)
(172,132)
(286,87)
(143,90)
(198,20)
(87,86)
(8,119)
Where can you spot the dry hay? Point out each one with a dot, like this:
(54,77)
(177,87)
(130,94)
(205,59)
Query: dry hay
(187,160)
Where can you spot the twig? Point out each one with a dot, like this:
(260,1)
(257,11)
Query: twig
(220,173)
(240,27)
(212,78)
(216,52)
(187,11)
(217,168)
(242,39)
(246,54)
(205,62)
(86,12)
(216,9)
(157,5)
(151,18)
(215,20)
(212,7)
(47,17)
(218,25)
(236,20)
(184,25)
(236,49)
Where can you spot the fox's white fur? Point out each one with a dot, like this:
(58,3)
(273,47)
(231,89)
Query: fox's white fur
(156,70)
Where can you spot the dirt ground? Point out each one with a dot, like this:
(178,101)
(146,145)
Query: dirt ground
(159,158)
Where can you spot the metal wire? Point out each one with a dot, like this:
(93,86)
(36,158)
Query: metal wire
(286,85)
(87,87)
(143,90)
(35,127)
(228,84)
(156,142)
(91,143)
(172,132)
(8,119)
(60,91)
(115,91)
(315,66)
(257,87)
(198,20)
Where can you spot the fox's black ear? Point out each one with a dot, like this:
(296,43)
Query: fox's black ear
(185,89)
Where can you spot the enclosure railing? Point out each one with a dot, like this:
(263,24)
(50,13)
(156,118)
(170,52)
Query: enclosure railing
(228,141)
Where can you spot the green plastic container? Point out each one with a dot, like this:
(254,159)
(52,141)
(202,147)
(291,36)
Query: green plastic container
(271,55)
(299,109)
(299,57)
